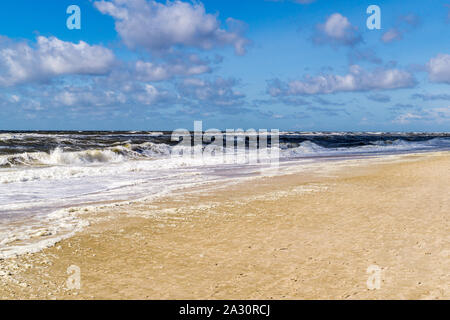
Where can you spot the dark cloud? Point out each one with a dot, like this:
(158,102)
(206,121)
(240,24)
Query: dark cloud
(379,97)
(431,97)
(325,102)
(367,55)
(220,92)
(403,106)
(403,25)
(330,112)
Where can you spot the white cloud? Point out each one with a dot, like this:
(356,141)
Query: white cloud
(150,95)
(337,30)
(439,68)
(156,26)
(87,96)
(356,80)
(20,63)
(435,115)
(407,118)
(186,66)
(442,113)
(106,95)
(219,92)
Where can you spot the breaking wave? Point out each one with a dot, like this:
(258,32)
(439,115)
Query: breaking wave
(154,151)
(107,155)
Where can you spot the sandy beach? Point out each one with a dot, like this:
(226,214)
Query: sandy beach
(305,235)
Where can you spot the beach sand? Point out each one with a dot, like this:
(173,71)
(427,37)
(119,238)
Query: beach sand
(306,235)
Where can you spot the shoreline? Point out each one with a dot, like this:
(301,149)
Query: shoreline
(303,235)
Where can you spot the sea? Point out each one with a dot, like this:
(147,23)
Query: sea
(47,177)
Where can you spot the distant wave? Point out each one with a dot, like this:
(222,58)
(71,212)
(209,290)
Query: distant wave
(309,148)
(149,150)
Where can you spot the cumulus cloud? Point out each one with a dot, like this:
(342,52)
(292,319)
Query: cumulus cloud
(337,30)
(150,95)
(86,96)
(115,93)
(439,68)
(50,57)
(159,27)
(219,92)
(356,80)
(435,115)
(99,94)
(184,66)
(406,118)
(123,88)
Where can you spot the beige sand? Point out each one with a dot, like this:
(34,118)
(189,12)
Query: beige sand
(298,236)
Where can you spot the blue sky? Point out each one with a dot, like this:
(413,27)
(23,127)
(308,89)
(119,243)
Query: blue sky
(291,65)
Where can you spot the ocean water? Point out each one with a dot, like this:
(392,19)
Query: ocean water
(46,176)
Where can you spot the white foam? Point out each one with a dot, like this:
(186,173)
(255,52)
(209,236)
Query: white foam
(308,148)
(37,190)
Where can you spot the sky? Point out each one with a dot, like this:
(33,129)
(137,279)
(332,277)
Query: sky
(304,65)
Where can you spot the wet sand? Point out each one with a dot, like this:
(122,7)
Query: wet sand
(308,235)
